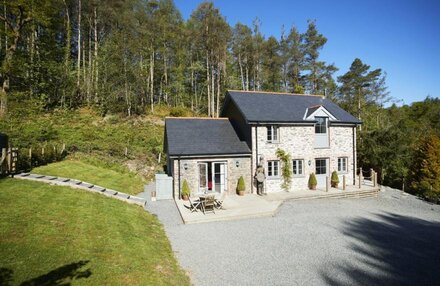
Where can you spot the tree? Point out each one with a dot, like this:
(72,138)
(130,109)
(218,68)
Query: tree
(313,43)
(17,16)
(425,172)
(296,60)
(356,86)
(271,64)
(211,33)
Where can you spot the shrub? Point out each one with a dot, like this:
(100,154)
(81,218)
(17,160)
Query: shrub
(185,189)
(179,111)
(241,187)
(335,178)
(312,181)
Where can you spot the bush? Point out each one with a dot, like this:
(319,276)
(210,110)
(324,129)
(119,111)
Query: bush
(185,189)
(432,196)
(179,112)
(312,181)
(241,187)
(335,178)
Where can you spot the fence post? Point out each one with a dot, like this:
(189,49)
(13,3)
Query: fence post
(9,159)
(327,183)
(343,182)
(30,157)
(63,149)
(360,177)
(373,178)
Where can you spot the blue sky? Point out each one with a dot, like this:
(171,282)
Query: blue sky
(399,36)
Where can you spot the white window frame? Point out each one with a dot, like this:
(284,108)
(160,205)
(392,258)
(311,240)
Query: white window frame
(325,166)
(301,173)
(325,124)
(271,130)
(341,161)
(271,168)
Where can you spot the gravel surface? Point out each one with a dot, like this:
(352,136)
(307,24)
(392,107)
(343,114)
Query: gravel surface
(390,240)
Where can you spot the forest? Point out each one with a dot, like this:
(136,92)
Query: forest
(132,57)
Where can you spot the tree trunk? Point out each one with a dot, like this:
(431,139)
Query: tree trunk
(96,53)
(208,84)
(241,71)
(152,79)
(212,91)
(78,64)
(218,89)
(66,54)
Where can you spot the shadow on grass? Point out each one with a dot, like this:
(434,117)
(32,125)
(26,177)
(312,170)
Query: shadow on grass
(392,250)
(61,276)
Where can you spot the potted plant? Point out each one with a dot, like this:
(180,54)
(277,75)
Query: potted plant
(185,190)
(312,181)
(241,186)
(335,179)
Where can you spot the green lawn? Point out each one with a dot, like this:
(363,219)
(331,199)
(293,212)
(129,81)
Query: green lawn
(124,182)
(51,235)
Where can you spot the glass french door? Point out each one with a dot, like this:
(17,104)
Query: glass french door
(219,176)
(212,177)
(203,177)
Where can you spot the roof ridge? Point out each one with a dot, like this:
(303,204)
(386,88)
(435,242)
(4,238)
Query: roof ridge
(193,117)
(275,92)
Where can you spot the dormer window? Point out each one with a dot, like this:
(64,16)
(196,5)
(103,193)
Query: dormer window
(272,134)
(321,125)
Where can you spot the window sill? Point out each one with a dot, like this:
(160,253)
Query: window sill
(328,147)
(298,177)
(273,142)
(273,178)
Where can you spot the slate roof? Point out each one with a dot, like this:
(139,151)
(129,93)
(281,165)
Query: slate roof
(199,136)
(283,107)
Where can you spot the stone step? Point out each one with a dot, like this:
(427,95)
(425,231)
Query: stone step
(360,194)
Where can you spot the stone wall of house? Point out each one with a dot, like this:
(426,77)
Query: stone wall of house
(298,141)
(189,172)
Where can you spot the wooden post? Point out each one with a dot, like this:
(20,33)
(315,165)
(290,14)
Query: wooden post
(343,183)
(42,152)
(63,149)
(160,154)
(360,178)
(375,179)
(30,157)
(126,151)
(9,159)
(2,160)
(327,183)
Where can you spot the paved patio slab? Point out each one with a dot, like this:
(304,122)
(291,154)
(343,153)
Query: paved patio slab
(234,207)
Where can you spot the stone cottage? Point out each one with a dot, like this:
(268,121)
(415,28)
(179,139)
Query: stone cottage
(211,154)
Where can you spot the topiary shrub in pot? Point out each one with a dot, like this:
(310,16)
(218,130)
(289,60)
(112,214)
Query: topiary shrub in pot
(241,186)
(185,190)
(312,181)
(335,179)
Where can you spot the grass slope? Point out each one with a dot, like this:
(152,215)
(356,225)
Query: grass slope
(124,182)
(54,235)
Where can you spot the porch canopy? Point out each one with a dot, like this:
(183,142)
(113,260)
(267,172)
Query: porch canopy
(202,137)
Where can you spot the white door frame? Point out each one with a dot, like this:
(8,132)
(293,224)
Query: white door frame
(202,189)
(321,178)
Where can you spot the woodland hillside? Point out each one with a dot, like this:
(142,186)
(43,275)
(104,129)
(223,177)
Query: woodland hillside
(73,70)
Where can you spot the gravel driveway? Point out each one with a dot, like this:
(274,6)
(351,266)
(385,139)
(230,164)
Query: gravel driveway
(389,240)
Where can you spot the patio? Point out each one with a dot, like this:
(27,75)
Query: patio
(251,205)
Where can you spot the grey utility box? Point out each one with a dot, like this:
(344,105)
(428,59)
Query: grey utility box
(164,187)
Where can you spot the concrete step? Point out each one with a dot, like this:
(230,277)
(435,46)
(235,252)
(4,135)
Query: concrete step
(360,194)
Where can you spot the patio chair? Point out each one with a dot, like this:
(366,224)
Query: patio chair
(193,204)
(219,202)
(208,203)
